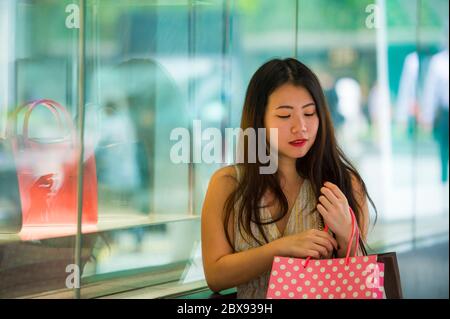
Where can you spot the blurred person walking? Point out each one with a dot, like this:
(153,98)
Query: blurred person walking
(435,106)
(407,99)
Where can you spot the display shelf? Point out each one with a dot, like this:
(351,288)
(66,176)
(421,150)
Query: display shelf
(106,222)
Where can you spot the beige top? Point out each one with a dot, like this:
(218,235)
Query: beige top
(298,221)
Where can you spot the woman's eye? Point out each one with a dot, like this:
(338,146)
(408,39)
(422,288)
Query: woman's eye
(283,116)
(310,114)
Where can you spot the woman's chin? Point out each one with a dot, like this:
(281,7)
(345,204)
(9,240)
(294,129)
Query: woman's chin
(294,154)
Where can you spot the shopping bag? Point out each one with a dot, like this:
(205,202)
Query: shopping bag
(357,277)
(47,172)
(392,281)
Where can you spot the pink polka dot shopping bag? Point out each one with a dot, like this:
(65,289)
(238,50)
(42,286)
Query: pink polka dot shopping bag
(357,277)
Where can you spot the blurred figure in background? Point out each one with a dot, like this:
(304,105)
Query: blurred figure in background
(329,89)
(117,168)
(373,101)
(407,99)
(435,105)
(139,78)
(348,91)
(117,151)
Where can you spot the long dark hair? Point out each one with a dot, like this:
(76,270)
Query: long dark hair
(325,161)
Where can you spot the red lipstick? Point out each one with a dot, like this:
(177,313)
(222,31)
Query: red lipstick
(298,143)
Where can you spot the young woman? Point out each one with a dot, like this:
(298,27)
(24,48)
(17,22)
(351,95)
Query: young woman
(248,217)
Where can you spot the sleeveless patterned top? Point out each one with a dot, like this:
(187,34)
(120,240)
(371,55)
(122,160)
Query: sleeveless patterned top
(299,220)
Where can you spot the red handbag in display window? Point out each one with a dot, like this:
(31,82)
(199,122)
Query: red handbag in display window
(47,172)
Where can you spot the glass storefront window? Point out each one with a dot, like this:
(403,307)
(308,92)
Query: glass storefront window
(149,71)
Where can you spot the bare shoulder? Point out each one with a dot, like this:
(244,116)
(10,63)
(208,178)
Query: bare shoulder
(224,177)
(221,185)
(229,170)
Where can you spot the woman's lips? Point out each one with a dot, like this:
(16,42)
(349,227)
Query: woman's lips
(298,143)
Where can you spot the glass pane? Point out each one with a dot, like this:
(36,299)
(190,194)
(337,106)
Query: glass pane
(140,77)
(256,38)
(374,77)
(430,153)
(138,93)
(39,150)
(346,64)
(210,91)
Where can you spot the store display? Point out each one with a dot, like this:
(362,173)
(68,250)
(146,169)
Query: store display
(47,171)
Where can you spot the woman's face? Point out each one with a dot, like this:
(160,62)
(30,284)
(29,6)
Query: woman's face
(292,111)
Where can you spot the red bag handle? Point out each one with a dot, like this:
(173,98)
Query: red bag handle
(55,108)
(354,234)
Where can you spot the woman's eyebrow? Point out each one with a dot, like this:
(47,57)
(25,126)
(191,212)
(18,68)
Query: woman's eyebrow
(284,107)
(291,107)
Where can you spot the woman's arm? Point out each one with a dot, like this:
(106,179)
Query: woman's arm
(225,268)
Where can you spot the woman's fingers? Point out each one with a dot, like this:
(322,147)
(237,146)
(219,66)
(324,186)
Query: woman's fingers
(313,240)
(322,210)
(324,242)
(326,203)
(328,237)
(336,191)
(313,253)
(328,193)
(321,249)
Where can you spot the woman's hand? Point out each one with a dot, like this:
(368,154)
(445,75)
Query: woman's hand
(334,208)
(314,243)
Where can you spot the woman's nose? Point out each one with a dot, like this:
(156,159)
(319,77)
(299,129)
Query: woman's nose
(299,125)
